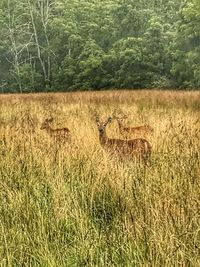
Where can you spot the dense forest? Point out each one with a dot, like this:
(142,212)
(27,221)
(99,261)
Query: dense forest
(67,45)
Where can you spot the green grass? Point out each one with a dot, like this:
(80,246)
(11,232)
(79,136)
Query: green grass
(73,205)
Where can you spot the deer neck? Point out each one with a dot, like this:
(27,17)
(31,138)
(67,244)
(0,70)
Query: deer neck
(120,125)
(103,138)
(49,129)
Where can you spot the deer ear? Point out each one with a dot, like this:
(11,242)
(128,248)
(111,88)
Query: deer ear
(109,120)
(50,119)
(97,119)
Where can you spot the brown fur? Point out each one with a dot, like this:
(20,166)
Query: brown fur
(143,130)
(58,133)
(139,147)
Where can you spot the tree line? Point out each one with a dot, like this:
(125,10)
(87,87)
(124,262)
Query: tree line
(67,45)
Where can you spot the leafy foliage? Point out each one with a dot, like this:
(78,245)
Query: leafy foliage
(72,44)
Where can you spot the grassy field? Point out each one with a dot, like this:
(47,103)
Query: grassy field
(72,205)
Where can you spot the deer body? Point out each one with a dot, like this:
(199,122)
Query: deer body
(139,147)
(58,133)
(142,130)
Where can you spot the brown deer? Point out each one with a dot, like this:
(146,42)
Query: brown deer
(143,130)
(139,148)
(61,134)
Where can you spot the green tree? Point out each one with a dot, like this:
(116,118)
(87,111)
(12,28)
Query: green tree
(186,65)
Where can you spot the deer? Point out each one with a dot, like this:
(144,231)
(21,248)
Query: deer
(61,134)
(134,148)
(142,130)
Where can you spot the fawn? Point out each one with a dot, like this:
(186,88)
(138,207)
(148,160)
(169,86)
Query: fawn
(142,130)
(139,148)
(58,133)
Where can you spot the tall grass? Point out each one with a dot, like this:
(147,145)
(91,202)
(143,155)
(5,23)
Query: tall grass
(73,205)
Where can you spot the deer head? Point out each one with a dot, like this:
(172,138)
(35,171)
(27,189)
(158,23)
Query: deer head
(121,117)
(101,124)
(45,124)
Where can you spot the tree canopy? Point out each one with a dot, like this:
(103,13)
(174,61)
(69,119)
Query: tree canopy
(66,45)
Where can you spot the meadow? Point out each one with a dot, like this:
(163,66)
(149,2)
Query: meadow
(72,205)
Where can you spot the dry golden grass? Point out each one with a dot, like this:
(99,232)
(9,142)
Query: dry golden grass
(73,205)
